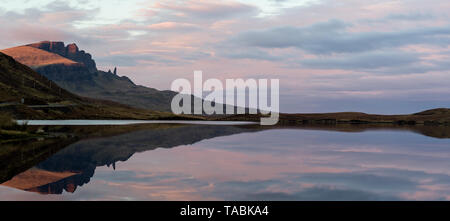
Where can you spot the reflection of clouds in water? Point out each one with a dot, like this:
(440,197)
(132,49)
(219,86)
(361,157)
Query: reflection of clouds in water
(317,194)
(359,181)
(150,185)
(151,179)
(251,190)
(368,185)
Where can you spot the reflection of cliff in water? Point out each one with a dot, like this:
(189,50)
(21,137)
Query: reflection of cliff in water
(18,157)
(84,156)
(68,184)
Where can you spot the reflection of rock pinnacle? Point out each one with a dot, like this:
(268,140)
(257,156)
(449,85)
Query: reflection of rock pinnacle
(70,187)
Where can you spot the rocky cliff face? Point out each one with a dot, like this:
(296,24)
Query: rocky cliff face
(70,51)
(59,72)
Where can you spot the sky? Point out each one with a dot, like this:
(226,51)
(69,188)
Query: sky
(374,56)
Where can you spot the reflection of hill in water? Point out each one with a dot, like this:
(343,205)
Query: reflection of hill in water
(18,157)
(106,145)
(84,156)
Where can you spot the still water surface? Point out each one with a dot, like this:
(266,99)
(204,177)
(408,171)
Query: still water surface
(224,162)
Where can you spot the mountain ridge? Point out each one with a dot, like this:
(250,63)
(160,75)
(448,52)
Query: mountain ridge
(85,80)
(71,51)
(26,94)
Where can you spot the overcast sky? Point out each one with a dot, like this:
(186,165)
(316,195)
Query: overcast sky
(374,56)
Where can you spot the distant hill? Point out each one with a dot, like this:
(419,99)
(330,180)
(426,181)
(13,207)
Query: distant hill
(438,116)
(28,95)
(76,71)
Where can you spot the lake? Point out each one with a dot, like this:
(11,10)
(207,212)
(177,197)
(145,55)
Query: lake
(232,162)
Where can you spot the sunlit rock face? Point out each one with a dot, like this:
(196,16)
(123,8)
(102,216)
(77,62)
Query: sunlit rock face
(35,58)
(70,51)
(56,61)
(55,47)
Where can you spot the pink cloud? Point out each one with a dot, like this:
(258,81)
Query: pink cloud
(204,9)
(172,25)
